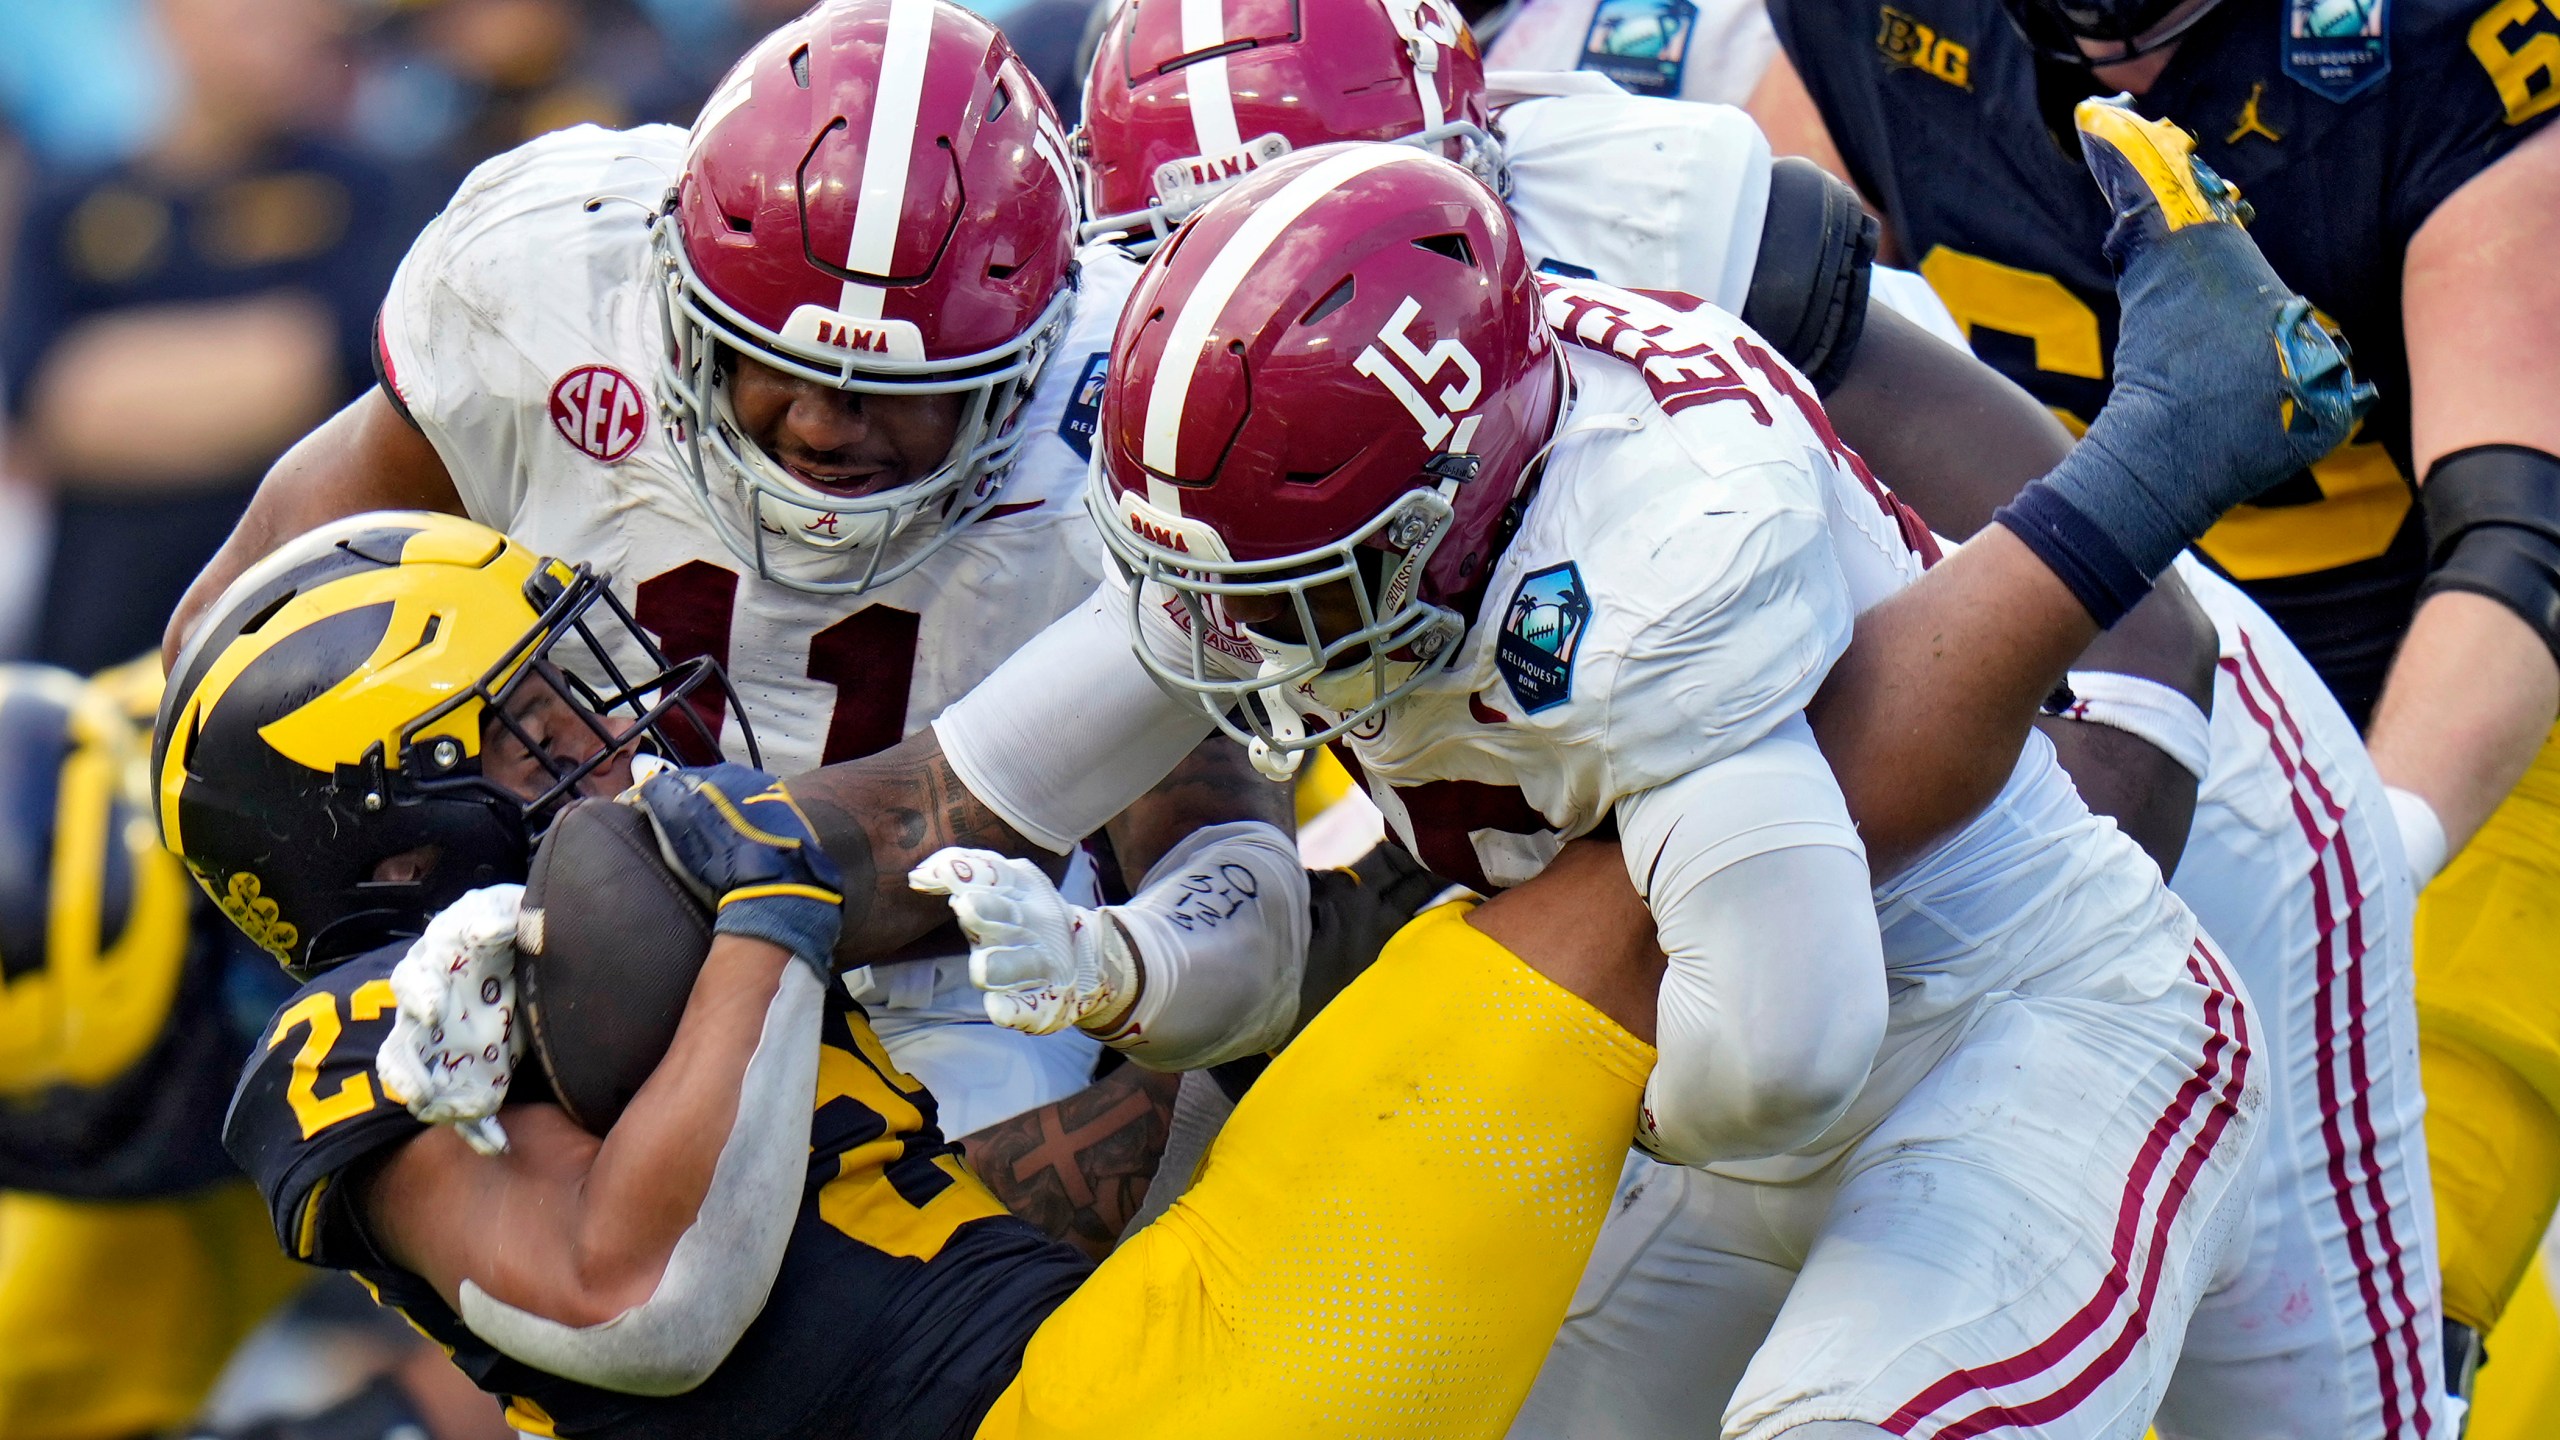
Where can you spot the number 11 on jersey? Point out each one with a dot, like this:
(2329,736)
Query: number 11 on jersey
(869,656)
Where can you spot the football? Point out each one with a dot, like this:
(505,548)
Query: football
(608,944)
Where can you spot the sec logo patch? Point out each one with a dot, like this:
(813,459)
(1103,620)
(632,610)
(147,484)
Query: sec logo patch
(597,409)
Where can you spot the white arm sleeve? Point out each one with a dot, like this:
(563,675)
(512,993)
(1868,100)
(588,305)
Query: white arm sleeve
(1220,927)
(1071,730)
(456,372)
(724,1264)
(2158,715)
(1774,1002)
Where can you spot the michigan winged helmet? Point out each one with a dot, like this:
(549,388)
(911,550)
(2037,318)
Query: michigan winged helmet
(93,913)
(334,709)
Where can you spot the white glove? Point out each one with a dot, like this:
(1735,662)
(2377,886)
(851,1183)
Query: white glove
(1045,964)
(454,1045)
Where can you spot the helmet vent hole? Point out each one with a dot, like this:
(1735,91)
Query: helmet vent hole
(1212,52)
(1001,272)
(267,612)
(1334,299)
(426,637)
(740,224)
(1003,102)
(800,67)
(1453,245)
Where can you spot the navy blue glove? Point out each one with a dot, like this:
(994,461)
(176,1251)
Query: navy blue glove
(737,840)
(2225,382)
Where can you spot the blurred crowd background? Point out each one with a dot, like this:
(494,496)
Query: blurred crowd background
(201,206)
(205,200)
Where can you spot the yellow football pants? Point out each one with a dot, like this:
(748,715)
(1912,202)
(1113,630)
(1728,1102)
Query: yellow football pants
(115,1316)
(2518,1394)
(2488,971)
(1384,1238)
(1320,784)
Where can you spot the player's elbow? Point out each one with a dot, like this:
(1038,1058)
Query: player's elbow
(1794,1098)
(652,1348)
(604,1279)
(1768,1057)
(1761,1099)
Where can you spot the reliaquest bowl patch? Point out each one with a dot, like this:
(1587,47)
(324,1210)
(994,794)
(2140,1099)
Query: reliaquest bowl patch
(2336,48)
(1084,406)
(1541,628)
(1641,44)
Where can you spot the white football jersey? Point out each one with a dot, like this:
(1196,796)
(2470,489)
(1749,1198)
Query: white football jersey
(1711,50)
(523,335)
(1653,194)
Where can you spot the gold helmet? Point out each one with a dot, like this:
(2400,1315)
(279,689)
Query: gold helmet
(331,712)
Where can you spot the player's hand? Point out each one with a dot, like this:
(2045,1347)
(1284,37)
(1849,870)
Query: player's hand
(454,1044)
(2225,382)
(736,838)
(1045,964)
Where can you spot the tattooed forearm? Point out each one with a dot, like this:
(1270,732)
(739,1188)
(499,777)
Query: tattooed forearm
(1079,1168)
(1213,785)
(879,817)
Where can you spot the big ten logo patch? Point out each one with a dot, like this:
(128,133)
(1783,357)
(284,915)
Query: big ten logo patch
(597,409)
(1908,42)
(1411,360)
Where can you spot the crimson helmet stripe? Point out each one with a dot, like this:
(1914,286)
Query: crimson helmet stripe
(885,153)
(1237,258)
(1213,104)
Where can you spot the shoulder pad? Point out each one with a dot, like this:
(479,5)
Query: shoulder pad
(1809,286)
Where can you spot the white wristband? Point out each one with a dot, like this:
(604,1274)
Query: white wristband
(2156,714)
(2421,833)
(1220,930)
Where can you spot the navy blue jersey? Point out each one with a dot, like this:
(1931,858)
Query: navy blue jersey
(2344,122)
(904,1300)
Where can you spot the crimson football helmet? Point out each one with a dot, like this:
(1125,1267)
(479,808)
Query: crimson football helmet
(876,198)
(1175,109)
(1335,373)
